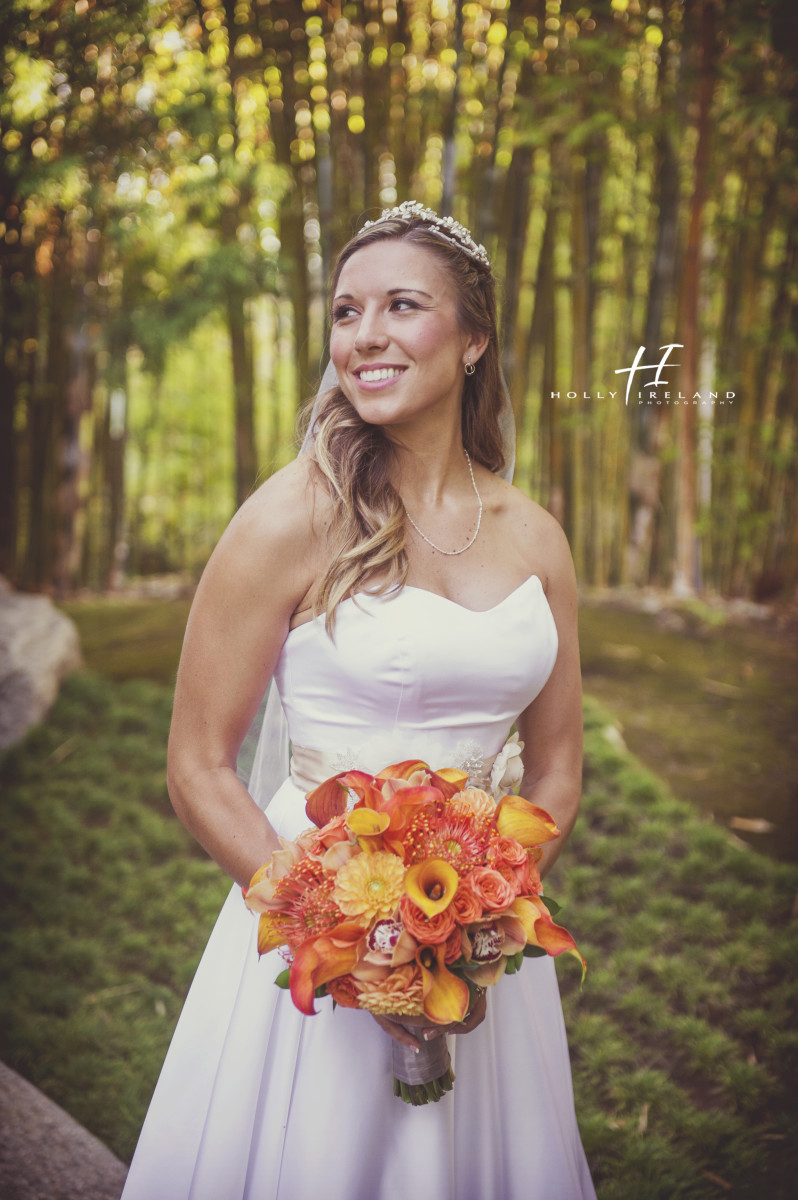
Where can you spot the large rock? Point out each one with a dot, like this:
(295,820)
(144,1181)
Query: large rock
(45,1154)
(38,646)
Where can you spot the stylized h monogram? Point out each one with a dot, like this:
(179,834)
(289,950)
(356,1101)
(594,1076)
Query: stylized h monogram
(658,367)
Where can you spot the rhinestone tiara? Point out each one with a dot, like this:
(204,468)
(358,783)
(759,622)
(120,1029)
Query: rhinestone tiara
(443,227)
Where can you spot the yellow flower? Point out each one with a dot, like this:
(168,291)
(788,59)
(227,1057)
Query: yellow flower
(431,885)
(526,822)
(370,885)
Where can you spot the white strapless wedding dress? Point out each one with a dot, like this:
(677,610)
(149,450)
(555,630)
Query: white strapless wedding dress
(256,1101)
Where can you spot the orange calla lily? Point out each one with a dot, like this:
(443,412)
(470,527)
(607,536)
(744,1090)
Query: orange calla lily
(408,797)
(541,931)
(445,995)
(271,932)
(366,822)
(448,780)
(403,770)
(431,885)
(378,792)
(328,800)
(318,960)
(526,822)
(527,914)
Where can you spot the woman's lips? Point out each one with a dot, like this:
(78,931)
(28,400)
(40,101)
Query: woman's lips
(377,376)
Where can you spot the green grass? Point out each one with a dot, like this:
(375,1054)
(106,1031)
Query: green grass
(107,904)
(130,639)
(683,1037)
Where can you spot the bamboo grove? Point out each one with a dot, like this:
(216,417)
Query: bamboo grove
(176,179)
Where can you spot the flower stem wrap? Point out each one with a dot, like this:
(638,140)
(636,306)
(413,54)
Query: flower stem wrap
(425,1077)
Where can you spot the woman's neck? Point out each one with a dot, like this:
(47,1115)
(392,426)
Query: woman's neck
(429,461)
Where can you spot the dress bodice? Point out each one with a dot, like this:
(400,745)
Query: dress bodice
(412,674)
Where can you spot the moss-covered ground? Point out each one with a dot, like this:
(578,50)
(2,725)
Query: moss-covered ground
(684,1037)
(106,901)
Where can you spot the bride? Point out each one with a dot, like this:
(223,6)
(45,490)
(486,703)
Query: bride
(408,603)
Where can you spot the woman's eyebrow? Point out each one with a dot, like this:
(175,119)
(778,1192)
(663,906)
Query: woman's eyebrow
(395,291)
(390,292)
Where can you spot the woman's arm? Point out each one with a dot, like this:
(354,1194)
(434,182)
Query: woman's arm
(551,727)
(255,579)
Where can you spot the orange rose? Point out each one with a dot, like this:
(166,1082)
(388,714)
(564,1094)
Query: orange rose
(510,874)
(316,841)
(534,885)
(429,931)
(345,991)
(465,905)
(509,851)
(528,878)
(454,946)
(491,888)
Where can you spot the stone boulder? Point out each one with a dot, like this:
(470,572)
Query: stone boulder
(45,1154)
(38,646)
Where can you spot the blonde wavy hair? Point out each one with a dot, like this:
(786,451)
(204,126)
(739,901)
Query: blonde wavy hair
(354,458)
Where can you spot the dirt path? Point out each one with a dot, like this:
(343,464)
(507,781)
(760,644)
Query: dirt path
(711,707)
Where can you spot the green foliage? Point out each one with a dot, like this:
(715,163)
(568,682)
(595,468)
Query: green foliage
(167,166)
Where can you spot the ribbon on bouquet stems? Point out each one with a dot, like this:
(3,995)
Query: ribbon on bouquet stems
(423,1077)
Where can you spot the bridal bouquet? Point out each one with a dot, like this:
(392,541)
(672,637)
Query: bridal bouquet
(408,903)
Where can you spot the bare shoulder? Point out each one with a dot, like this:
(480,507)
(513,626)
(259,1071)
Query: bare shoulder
(536,534)
(288,511)
(542,532)
(276,535)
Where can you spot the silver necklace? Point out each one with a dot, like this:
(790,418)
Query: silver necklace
(471,540)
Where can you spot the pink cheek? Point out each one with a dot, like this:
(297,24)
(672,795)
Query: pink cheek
(429,340)
(340,347)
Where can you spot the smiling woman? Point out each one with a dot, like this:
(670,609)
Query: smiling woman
(419,314)
(385,644)
(397,344)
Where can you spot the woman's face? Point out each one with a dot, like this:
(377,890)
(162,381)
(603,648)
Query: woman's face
(396,342)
